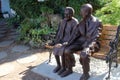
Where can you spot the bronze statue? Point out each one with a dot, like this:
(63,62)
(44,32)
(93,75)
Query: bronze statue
(84,38)
(65,29)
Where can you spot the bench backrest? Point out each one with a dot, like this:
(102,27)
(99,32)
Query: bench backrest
(108,33)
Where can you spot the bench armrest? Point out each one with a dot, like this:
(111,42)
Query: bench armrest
(49,46)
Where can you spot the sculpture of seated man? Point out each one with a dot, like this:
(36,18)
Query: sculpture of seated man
(65,29)
(84,37)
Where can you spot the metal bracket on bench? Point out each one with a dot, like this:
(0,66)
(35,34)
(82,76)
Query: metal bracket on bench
(112,54)
(50,52)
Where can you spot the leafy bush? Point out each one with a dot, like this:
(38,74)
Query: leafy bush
(110,13)
(15,21)
(34,30)
(26,8)
(76,4)
(32,8)
(35,20)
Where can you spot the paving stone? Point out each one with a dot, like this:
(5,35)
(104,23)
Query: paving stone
(28,58)
(15,37)
(6,43)
(2,22)
(13,30)
(20,48)
(2,32)
(12,33)
(3,55)
(6,69)
(3,27)
(1,35)
(12,38)
(98,70)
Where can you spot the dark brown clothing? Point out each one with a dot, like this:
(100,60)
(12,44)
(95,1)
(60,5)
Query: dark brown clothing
(84,61)
(63,34)
(85,33)
(65,27)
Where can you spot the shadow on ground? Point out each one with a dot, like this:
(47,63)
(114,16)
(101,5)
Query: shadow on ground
(29,75)
(13,56)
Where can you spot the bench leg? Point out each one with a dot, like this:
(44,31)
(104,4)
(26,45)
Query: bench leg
(116,64)
(110,63)
(116,61)
(50,54)
(108,77)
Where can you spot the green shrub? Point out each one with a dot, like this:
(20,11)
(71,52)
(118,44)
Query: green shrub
(32,8)
(35,16)
(26,8)
(34,30)
(76,4)
(110,13)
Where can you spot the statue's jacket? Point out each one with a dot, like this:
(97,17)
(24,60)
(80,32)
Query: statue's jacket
(86,32)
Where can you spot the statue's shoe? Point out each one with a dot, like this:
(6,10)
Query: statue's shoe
(66,73)
(56,69)
(85,77)
(61,71)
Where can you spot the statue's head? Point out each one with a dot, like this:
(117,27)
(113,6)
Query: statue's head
(68,13)
(86,10)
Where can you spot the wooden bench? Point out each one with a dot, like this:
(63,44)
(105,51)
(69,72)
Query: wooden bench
(109,34)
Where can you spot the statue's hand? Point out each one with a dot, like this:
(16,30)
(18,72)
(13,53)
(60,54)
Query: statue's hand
(65,43)
(51,44)
(86,51)
(58,45)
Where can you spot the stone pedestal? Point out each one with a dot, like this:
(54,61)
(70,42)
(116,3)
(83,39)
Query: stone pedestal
(98,70)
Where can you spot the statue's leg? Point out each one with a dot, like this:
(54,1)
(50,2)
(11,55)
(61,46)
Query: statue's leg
(84,60)
(58,64)
(69,63)
(62,66)
(70,59)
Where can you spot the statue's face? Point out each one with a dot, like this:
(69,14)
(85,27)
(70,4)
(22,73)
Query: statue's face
(84,12)
(67,15)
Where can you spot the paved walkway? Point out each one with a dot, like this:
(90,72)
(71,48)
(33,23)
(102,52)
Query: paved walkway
(17,60)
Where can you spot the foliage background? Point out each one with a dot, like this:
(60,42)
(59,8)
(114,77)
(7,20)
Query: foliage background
(32,8)
(35,21)
(110,13)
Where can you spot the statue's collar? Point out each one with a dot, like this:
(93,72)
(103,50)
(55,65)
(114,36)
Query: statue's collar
(89,18)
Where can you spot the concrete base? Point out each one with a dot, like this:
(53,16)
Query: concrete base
(1,36)
(98,71)
(46,70)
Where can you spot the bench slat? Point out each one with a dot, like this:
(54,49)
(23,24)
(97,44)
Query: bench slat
(109,27)
(105,42)
(108,33)
(108,37)
(104,32)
